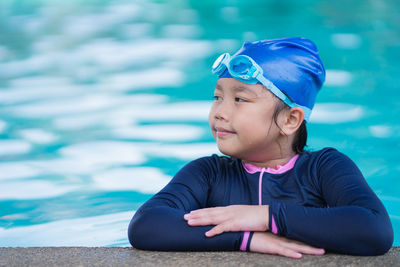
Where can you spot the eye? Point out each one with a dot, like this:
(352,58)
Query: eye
(238,99)
(217,98)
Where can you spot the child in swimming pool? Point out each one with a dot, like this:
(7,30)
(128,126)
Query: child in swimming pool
(268,194)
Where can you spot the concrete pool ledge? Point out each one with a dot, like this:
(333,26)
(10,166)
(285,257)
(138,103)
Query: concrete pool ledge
(126,256)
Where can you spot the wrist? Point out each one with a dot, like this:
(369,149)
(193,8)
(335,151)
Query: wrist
(255,244)
(266,217)
(252,242)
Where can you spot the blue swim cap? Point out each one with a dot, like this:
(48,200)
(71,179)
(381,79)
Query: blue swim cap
(291,64)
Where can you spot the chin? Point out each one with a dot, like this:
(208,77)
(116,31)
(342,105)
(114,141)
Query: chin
(226,151)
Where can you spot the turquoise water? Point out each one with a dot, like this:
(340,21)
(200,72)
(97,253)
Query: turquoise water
(101,102)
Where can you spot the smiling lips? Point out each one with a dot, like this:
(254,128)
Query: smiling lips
(222,132)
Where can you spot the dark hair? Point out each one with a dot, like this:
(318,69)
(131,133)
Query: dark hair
(300,140)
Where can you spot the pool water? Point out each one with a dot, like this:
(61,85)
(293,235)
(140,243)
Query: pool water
(101,102)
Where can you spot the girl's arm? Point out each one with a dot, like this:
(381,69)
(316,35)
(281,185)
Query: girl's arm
(355,221)
(159,223)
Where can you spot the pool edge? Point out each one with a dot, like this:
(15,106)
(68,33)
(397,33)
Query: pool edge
(127,256)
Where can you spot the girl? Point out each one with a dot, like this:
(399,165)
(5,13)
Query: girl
(268,195)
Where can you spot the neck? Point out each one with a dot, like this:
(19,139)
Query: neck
(272,162)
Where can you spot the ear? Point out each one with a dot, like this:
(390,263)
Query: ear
(292,120)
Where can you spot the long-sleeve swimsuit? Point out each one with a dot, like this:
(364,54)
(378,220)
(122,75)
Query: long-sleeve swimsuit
(320,198)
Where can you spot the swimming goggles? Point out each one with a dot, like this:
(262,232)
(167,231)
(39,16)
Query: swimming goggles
(245,69)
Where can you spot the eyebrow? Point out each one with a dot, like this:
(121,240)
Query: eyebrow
(238,89)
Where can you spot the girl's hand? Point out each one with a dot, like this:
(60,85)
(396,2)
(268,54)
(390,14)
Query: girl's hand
(274,244)
(232,218)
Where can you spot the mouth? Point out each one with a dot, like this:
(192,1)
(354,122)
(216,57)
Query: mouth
(222,132)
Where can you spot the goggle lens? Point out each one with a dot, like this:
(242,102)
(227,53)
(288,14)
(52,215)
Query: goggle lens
(240,69)
(220,64)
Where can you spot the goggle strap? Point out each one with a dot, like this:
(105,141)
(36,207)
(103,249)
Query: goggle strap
(270,86)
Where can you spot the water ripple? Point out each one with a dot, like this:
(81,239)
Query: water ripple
(103,230)
(141,179)
(169,132)
(14,147)
(332,113)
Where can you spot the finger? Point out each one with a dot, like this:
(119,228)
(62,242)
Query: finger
(216,230)
(304,248)
(206,217)
(201,212)
(198,222)
(198,214)
(202,221)
(309,250)
(189,216)
(315,251)
(289,253)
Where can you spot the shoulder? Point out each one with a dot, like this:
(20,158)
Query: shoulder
(212,164)
(330,161)
(322,152)
(213,160)
(325,156)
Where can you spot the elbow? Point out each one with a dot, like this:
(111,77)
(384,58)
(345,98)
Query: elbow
(136,232)
(131,232)
(380,239)
(147,229)
(371,235)
(383,241)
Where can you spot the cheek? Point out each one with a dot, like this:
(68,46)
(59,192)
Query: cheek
(255,125)
(211,115)
(252,117)
(211,120)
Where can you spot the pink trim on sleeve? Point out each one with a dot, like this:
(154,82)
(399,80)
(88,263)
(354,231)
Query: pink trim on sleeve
(244,241)
(274,229)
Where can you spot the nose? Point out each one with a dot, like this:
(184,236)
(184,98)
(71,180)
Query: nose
(221,110)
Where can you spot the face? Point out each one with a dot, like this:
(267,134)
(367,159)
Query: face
(241,120)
